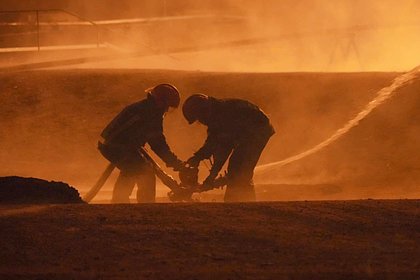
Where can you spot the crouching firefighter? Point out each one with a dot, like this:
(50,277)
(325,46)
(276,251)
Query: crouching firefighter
(235,128)
(133,127)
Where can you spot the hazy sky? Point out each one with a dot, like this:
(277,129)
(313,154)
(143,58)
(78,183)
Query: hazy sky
(287,35)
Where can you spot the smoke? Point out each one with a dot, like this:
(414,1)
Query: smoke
(336,35)
(238,35)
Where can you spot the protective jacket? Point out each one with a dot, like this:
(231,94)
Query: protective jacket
(133,127)
(231,122)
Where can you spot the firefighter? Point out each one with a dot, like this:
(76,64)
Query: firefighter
(235,128)
(133,127)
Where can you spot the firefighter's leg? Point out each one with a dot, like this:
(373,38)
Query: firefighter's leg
(241,170)
(146,186)
(123,187)
(240,186)
(130,169)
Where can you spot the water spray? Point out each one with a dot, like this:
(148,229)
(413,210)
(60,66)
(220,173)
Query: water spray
(382,96)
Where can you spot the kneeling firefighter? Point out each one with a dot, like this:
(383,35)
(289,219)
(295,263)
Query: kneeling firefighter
(235,127)
(133,127)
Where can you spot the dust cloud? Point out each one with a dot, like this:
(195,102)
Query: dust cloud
(274,36)
(234,35)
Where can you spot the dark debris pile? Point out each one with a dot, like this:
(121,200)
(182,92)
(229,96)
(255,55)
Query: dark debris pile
(19,190)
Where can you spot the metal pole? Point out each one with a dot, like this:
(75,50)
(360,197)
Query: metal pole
(37,28)
(97,36)
(164,8)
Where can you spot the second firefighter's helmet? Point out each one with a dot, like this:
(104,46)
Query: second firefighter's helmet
(165,95)
(196,107)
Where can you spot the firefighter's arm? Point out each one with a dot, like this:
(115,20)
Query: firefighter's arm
(220,156)
(206,151)
(219,160)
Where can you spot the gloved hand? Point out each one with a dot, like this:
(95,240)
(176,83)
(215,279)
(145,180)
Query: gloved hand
(179,165)
(189,176)
(193,161)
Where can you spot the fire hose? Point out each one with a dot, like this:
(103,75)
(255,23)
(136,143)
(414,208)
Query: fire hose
(179,192)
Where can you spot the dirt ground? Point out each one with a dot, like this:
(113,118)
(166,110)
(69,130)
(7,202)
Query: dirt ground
(270,240)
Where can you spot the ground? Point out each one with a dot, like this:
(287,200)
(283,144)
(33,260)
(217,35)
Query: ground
(265,240)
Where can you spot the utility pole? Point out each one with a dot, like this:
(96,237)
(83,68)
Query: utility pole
(346,44)
(164,8)
(37,30)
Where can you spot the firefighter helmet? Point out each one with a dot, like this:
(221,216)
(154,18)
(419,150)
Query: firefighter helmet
(165,95)
(196,107)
